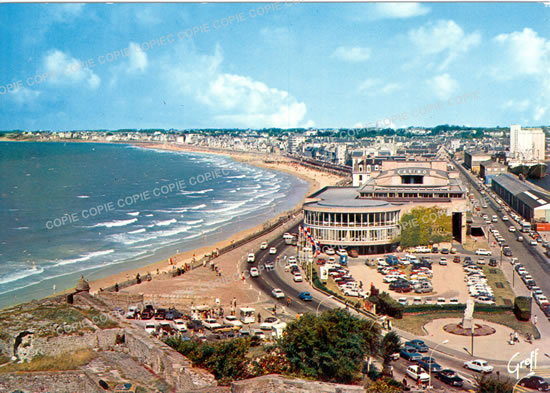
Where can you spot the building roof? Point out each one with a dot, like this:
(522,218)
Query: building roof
(510,183)
(335,198)
(492,164)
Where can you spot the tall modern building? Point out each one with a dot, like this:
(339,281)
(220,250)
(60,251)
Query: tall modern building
(527,144)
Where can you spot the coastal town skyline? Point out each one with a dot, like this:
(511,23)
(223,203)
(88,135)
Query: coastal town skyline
(189,66)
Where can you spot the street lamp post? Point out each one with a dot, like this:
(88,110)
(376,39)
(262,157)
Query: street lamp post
(317,312)
(431,359)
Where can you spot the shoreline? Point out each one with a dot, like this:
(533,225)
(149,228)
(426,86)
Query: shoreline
(180,259)
(269,161)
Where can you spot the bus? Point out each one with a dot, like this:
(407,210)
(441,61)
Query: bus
(525,226)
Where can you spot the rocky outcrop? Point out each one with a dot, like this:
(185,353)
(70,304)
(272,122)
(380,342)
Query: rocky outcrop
(58,382)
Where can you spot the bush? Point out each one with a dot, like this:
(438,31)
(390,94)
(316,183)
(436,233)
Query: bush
(386,305)
(493,384)
(421,308)
(522,308)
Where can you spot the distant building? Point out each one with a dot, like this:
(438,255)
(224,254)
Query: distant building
(530,203)
(294,141)
(489,169)
(527,144)
(472,159)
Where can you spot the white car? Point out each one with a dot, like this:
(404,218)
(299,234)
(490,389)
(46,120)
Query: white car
(291,260)
(263,246)
(132,311)
(179,325)
(151,328)
(273,250)
(211,323)
(298,277)
(341,251)
(481,251)
(329,251)
(254,272)
(512,229)
(417,373)
(268,323)
(443,261)
(251,257)
(277,293)
(533,242)
(505,218)
(481,366)
(232,320)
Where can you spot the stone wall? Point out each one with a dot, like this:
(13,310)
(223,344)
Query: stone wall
(276,383)
(58,382)
(173,367)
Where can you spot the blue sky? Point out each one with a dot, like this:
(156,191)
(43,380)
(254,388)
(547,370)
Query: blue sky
(273,65)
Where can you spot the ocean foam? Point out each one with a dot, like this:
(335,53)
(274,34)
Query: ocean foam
(84,257)
(115,223)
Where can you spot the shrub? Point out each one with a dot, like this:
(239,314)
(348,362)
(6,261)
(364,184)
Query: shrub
(522,308)
(386,305)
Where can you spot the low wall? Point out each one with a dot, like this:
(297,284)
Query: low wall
(277,383)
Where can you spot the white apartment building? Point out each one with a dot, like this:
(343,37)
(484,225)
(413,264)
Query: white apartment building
(527,144)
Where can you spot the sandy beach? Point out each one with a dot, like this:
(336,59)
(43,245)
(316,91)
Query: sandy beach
(317,179)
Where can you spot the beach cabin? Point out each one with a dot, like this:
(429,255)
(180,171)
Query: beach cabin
(247,314)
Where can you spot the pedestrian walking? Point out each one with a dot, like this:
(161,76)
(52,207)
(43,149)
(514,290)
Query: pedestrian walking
(535,320)
(259,318)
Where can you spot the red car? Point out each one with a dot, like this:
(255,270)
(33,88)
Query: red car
(321,261)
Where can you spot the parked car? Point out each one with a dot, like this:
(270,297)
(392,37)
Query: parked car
(419,345)
(232,320)
(480,366)
(417,373)
(535,382)
(132,311)
(329,251)
(456,259)
(151,328)
(277,293)
(481,251)
(160,314)
(450,377)
(305,296)
(428,363)
(444,250)
(410,354)
(211,323)
(268,323)
(492,262)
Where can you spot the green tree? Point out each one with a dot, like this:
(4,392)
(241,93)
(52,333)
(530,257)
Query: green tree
(390,344)
(425,225)
(331,347)
(493,384)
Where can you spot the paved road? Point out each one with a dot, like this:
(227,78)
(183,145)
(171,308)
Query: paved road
(283,280)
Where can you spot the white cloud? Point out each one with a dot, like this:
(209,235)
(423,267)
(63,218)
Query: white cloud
(352,54)
(65,12)
(517,105)
(376,86)
(63,69)
(146,16)
(24,95)
(137,59)
(399,10)
(443,86)
(278,34)
(235,100)
(445,36)
(525,52)
(539,112)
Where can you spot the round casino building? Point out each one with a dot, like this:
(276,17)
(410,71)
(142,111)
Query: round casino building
(339,219)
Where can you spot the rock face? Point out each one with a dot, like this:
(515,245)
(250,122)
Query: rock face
(277,383)
(58,382)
